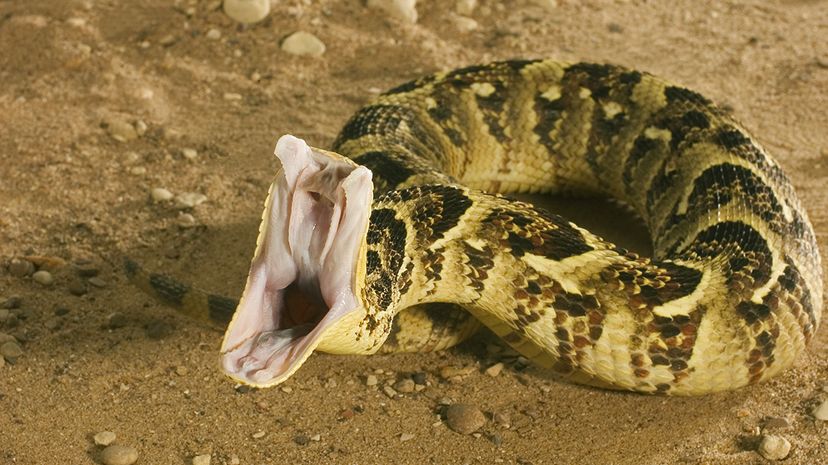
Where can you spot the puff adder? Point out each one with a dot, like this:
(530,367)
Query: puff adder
(731,296)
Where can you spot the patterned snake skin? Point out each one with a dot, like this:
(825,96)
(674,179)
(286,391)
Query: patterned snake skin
(731,297)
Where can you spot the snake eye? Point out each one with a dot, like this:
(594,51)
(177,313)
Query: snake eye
(302,277)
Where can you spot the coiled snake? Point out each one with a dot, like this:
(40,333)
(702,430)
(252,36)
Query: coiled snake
(399,239)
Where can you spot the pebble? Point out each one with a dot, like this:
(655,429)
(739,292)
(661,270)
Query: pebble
(159,194)
(371,380)
(389,391)
(96,281)
(420,378)
(119,455)
(138,170)
(43,277)
(821,411)
(548,4)
(104,438)
(141,127)
(158,329)
(258,434)
(189,154)
(214,34)
(232,96)
(189,200)
(465,7)
(316,437)
(53,324)
(121,131)
(405,385)
(301,439)
(495,369)
(181,370)
(20,267)
(86,268)
(455,374)
(303,43)
(13,302)
(10,350)
(116,320)
(502,419)
(464,418)
(247,11)
(77,287)
(403,10)
(4,314)
(202,459)
(186,220)
(4,338)
(774,447)
(464,24)
(406,437)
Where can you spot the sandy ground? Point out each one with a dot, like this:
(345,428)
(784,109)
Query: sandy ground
(71,71)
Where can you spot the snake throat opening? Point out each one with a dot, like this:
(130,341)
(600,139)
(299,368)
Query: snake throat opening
(303,277)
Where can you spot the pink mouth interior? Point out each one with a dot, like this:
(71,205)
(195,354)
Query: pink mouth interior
(302,276)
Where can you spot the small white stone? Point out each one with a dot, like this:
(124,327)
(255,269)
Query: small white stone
(159,194)
(119,455)
(406,437)
(233,96)
(371,380)
(495,369)
(464,24)
(214,34)
(190,199)
(235,460)
(203,459)
(403,10)
(138,170)
(104,438)
(821,411)
(316,437)
(774,447)
(140,128)
(548,4)
(76,22)
(189,153)
(303,43)
(121,131)
(465,7)
(43,277)
(247,11)
(258,434)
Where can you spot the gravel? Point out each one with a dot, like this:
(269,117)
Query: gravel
(121,130)
(119,455)
(303,43)
(160,194)
(774,447)
(43,277)
(20,267)
(77,287)
(371,380)
(189,200)
(11,350)
(203,459)
(189,154)
(464,418)
(495,369)
(104,438)
(405,385)
(214,34)
(403,10)
(247,11)
(821,411)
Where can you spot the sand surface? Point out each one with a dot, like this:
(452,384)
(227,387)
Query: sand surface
(72,70)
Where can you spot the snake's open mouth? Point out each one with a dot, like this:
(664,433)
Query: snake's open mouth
(302,277)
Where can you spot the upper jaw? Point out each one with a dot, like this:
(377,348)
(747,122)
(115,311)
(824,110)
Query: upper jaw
(304,276)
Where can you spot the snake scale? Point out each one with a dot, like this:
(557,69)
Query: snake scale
(401,238)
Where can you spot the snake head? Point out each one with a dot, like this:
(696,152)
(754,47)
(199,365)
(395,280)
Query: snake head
(305,282)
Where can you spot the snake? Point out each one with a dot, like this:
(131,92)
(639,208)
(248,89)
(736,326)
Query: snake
(405,236)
